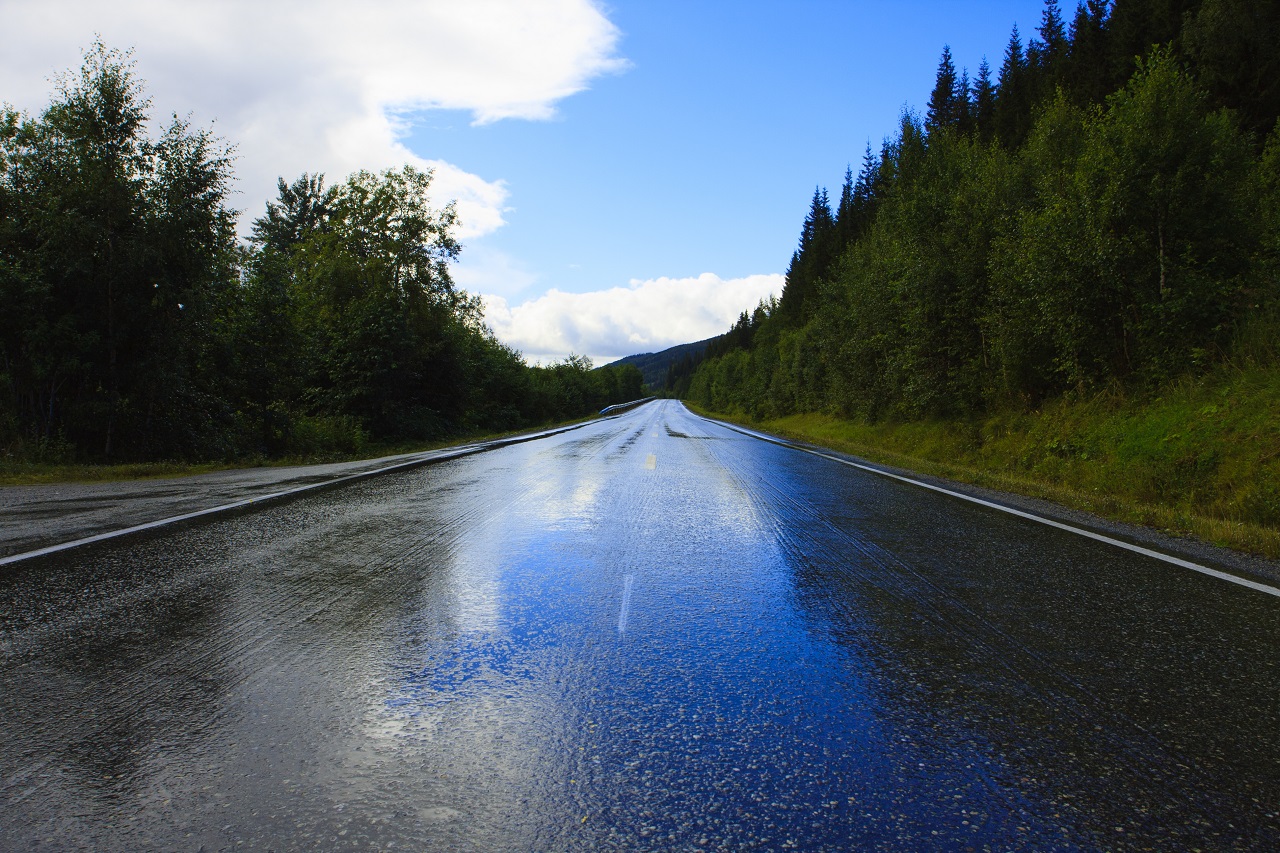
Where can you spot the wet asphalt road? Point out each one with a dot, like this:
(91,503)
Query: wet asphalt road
(648,633)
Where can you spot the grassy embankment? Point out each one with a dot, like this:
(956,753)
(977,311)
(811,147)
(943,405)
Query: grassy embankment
(1200,459)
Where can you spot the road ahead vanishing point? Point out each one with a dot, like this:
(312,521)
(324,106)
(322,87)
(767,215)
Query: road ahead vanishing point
(650,633)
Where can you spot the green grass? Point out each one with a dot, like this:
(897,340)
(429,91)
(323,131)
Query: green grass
(1201,459)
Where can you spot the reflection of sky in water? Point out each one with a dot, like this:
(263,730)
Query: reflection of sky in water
(719,706)
(434,661)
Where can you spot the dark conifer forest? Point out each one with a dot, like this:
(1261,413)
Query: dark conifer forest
(137,326)
(1100,211)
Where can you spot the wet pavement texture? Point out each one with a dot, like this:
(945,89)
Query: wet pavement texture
(650,633)
(40,516)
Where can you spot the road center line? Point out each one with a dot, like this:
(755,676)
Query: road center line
(627,582)
(1119,543)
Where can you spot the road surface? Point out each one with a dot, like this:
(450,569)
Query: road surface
(649,633)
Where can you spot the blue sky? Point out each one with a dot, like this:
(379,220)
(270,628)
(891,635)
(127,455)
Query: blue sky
(703,155)
(631,175)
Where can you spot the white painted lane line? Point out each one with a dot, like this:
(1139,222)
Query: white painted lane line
(627,582)
(1119,543)
(651,462)
(417,461)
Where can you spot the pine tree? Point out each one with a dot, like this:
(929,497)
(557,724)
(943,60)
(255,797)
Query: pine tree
(1135,26)
(1086,76)
(965,113)
(1051,53)
(1053,33)
(984,103)
(845,209)
(303,209)
(858,201)
(1013,101)
(943,108)
(866,189)
(846,212)
(811,259)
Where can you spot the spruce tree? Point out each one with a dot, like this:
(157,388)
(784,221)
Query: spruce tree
(1052,31)
(865,190)
(811,259)
(1013,101)
(984,102)
(845,209)
(1052,51)
(846,212)
(943,111)
(964,103)
(1086,76)
(1135,26)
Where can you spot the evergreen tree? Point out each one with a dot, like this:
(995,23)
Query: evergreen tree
(811,258)
(855,215)
(1013,97)
(1111,237)
(1050,53)
(846,212)
(866,190)
(1086,77)
(1136,26)
(965,118)
(944,109)
(302,210)
(984,103)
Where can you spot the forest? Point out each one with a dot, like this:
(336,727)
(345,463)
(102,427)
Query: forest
(137,325)
(1101,211)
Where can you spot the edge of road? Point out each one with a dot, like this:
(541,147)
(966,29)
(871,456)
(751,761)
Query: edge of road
(1233,567)
(428,457)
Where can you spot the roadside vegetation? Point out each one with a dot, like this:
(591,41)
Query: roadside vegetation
(1064,279)
(17,471)
(138,329)
(1202,459)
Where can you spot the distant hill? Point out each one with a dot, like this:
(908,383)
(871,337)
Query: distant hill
(653,365)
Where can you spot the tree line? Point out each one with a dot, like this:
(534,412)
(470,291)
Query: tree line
(136,325)
(1106,212)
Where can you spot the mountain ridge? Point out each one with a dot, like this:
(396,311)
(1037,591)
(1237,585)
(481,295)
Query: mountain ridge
(654,365)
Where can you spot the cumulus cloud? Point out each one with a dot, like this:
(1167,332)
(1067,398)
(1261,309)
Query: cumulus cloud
(326,85)
(646,316)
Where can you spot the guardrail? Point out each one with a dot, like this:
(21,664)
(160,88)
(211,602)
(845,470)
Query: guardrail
(622,407)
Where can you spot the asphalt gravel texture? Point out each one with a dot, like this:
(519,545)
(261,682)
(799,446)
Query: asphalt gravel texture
(648,633)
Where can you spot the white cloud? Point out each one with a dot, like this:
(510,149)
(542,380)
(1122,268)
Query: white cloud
(326,85)
(647,316)
(486,270)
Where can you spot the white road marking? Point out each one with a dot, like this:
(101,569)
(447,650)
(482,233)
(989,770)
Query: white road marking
(627,582)
(1137,549)
(428,458)
(651,462)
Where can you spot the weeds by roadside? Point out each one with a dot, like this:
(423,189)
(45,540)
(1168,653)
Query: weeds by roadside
(1202,459)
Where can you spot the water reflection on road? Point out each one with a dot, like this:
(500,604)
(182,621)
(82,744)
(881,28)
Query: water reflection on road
(651,633)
